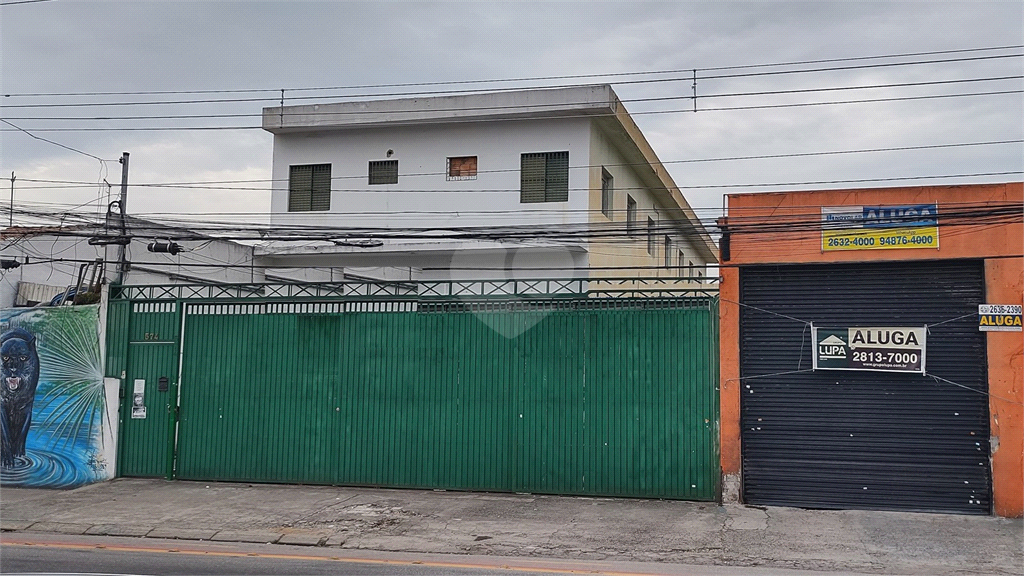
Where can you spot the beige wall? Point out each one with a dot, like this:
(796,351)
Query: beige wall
(618,251)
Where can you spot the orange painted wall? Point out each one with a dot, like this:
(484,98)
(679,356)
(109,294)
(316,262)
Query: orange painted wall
(1004,284)
(1000,244)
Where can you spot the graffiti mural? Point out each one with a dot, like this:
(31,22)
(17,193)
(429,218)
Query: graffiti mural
(56,429)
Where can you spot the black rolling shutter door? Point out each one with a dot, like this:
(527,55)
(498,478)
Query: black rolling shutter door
(864,440)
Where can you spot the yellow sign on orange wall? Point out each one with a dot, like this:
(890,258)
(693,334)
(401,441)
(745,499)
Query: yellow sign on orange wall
(879,227)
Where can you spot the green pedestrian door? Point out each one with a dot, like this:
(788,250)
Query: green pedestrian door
(148,389)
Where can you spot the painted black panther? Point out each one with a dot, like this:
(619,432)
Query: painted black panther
(19,377)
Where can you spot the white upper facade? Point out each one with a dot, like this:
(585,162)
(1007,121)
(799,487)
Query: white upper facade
(424,194)
(448,162)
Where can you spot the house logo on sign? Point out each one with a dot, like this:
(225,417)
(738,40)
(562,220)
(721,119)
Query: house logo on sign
(832,348)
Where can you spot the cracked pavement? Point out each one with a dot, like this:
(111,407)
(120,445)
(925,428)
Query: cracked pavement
(525,525)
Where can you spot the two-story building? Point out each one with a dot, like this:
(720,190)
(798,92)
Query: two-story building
(527,183)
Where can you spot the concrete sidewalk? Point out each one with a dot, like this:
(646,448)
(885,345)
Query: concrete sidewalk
(525,525)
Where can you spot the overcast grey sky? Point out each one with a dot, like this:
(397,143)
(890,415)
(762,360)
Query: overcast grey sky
(69,46)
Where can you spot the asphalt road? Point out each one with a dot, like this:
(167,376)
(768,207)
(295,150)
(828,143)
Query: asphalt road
(53,561)
(44,553)
(57,559)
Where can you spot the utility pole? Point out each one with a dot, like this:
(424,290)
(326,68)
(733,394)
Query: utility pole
(122,252)
(10,222)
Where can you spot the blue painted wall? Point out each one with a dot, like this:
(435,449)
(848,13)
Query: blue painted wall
(70,440)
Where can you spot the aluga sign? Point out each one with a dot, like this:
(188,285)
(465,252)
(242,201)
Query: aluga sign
(884,349)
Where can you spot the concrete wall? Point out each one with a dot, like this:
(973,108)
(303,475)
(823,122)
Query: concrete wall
(410,261)
(999,245)
(55,261)
(480,108)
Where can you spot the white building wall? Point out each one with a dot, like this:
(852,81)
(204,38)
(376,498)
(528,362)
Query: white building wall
(422,186)
(53,261)
(421,139)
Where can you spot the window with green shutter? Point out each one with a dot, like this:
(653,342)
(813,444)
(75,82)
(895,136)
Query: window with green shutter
(309,188)
(544,177)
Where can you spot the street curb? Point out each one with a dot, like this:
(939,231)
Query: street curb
(118,530)
(338,540)
(302,539)
(181,533)
(59,528)
(249,536)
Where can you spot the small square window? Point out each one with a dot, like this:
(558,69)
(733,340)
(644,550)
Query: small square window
(607,187)
(383,172)
(462,168)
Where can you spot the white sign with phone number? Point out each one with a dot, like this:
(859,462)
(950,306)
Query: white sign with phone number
(999,317)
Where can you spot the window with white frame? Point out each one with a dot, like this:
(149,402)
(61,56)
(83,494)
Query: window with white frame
(462,168)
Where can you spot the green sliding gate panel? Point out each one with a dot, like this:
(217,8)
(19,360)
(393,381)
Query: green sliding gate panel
(596,400)
(148,388)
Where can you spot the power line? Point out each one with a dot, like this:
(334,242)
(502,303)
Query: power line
(241,100)
(839,102)
(351,113)
(480,120)
(15,2)
(978,214)
(520,79)
(859,67)
(686,78)
(851,181)
(209,184)
(249,265)
(613,228)
(167,218)
(588,189)
(54,143)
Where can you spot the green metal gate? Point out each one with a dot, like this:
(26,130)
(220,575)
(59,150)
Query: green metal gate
(573,396)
